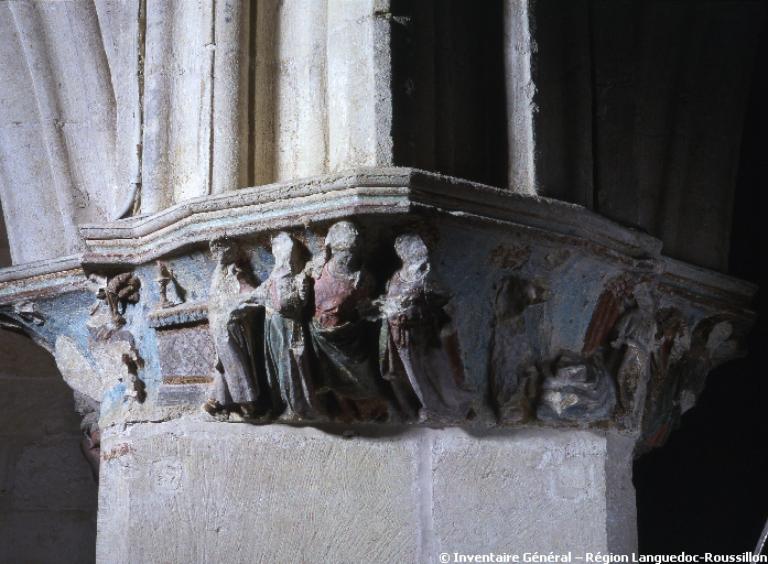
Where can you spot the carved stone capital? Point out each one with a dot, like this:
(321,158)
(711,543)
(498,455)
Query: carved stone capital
(387,296)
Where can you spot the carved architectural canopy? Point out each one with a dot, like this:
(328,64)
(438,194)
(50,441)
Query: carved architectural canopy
(380,296)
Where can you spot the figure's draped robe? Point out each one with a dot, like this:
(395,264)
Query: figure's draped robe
(235,381)
(285,343)
(420,351)
(341,339)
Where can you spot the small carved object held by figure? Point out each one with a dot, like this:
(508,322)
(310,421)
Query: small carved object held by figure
(235,385)
(171,292)
(343,339)
(419,350)
(285,294)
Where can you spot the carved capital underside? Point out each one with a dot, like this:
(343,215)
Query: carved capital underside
(385,296)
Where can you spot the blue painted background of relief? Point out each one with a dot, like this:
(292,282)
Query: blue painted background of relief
(470,261)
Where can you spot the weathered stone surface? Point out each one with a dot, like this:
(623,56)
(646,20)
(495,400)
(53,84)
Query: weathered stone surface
(315,495)
(187,491)
(80,374)
(112,109)
(534,490)
(185,353)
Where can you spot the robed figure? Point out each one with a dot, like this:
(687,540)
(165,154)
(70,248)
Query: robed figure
(285,295)
(343,335)
(420,354)
(235,386)
(635,340)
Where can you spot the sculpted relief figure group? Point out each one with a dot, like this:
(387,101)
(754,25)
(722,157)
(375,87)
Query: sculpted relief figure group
(321,338)
(314,340)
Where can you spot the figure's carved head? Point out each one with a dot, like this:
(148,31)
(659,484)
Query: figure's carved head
(286,251)
(224,250)
(342,236)
(644,298)
(282,247)
(412,250)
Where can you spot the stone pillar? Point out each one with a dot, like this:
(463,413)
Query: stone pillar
(385,364)
(292,494)
(350,361)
